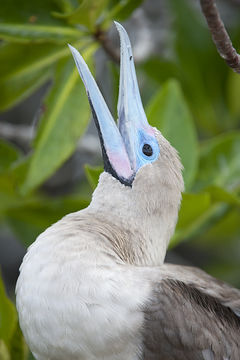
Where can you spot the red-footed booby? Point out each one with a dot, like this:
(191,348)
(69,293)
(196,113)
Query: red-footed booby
(93,286)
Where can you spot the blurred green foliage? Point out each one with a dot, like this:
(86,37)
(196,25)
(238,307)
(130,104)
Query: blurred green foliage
(193,98)
(12,345)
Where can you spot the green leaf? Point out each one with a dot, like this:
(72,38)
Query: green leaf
(30,12)
(203,70)
(8,196)
(16,89)
(8,318)
(28,216)
(224,231)
(203,209)
(31,217)
(11,167)
(17,173)
(86,13)
(66,6)
(39,56)
(161,70)
(8,154)
(4,353)
(221,241)
(193,213)
(18,347)
(31,357)
(233,90)
(24,231)
(10,182)
(62,125)
(219,162)
(19,78)
(220,194)
(225,270)
(122,9)
(92,174)
(26,33)
(168,112)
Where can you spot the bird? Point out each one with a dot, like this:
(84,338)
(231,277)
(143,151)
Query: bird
(94,285)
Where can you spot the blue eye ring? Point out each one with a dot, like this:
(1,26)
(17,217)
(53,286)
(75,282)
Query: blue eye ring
(147,149)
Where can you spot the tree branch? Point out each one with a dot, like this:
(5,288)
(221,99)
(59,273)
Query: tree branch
(104,40)
(219,34)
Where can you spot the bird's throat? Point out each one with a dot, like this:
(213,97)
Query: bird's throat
(137,236)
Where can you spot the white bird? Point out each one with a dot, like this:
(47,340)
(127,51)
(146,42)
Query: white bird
(93,286)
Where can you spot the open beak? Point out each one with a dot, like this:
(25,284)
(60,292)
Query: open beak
(132,120)
(120,145)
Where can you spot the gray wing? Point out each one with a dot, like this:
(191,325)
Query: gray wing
(191,316)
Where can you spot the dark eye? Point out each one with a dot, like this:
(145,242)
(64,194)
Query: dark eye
(147,150)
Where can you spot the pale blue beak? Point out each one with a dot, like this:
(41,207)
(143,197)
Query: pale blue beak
(122,148)
(132,121)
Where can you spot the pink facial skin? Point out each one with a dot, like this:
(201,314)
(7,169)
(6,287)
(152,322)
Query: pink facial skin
(149,130)
(120,162)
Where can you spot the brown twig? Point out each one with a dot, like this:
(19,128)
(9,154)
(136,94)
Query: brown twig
(220,35)
(104,40)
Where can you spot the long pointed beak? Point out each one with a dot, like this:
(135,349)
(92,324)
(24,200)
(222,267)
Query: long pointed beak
(115,157)
(133,144)
(132,121)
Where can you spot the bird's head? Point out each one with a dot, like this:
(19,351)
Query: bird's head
(142,181)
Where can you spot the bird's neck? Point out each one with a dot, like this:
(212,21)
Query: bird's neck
(138,235)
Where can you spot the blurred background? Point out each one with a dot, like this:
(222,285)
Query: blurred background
(50,157)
